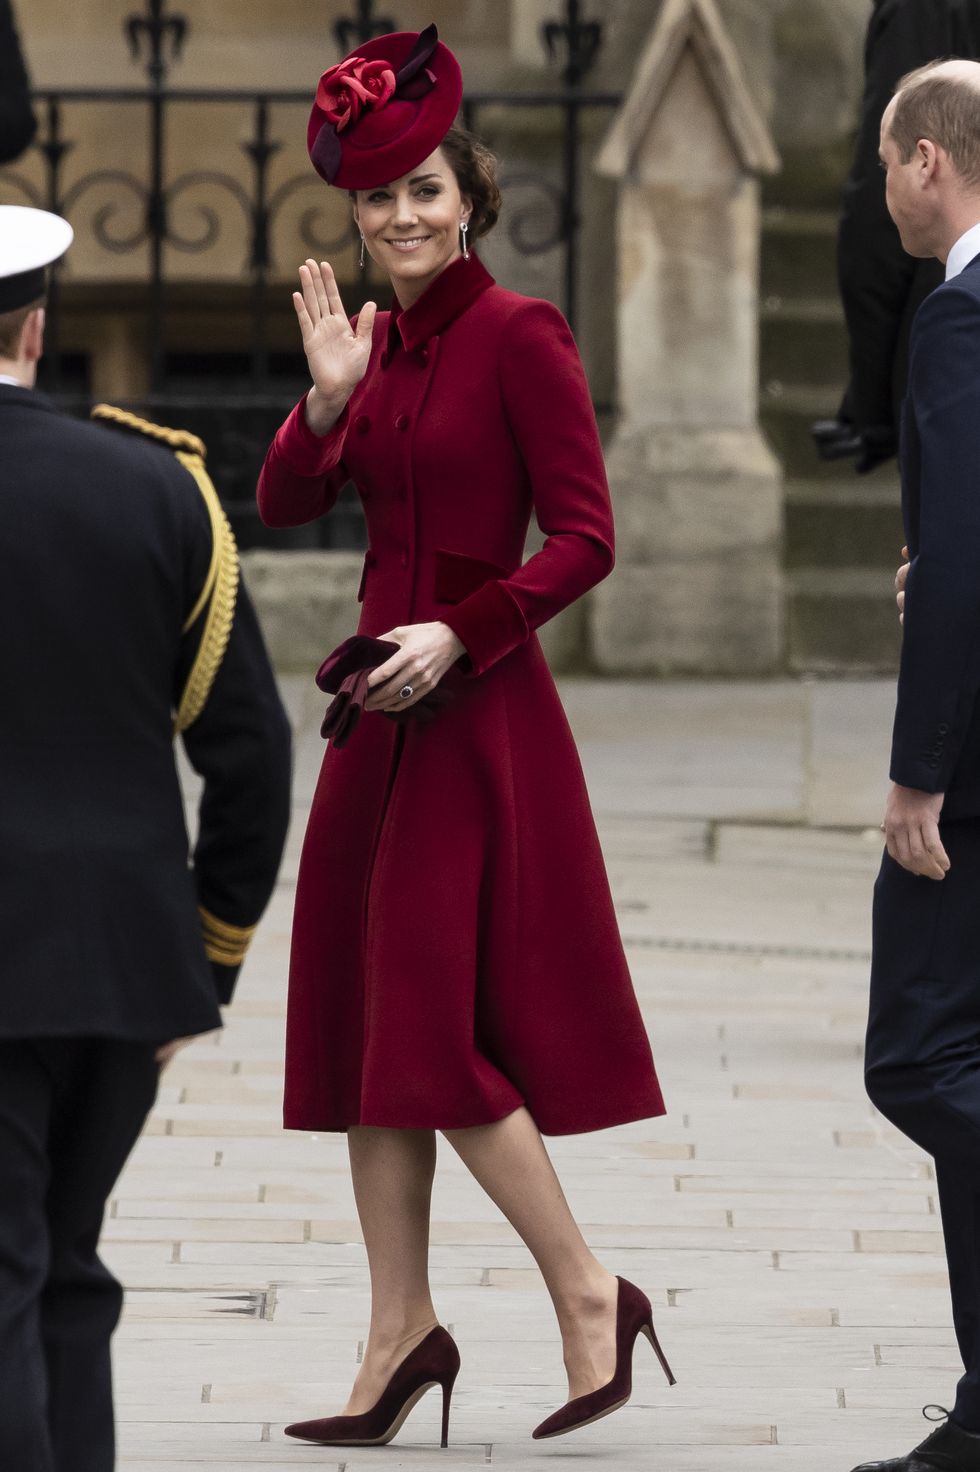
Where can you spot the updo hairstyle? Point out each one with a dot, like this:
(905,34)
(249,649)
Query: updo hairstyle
(475,168)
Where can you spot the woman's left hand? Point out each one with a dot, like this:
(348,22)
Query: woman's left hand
(425,653)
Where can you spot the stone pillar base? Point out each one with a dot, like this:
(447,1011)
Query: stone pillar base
(700,587)
(306,603)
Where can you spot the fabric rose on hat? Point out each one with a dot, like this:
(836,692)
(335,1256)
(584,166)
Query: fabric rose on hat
(352,87)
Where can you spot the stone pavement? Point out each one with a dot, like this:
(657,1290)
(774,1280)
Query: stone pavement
(788,1237)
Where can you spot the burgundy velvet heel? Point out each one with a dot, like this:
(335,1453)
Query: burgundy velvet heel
(634,1316)
(433,1362)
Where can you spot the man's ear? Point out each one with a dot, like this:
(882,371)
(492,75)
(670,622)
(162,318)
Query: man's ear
(928,158)
(32,338)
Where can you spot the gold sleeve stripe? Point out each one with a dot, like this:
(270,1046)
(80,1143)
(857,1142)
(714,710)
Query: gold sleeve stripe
(221,587)
(224,943)
(177,439)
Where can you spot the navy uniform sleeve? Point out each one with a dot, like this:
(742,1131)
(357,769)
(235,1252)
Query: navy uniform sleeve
(940,668)
(241,745)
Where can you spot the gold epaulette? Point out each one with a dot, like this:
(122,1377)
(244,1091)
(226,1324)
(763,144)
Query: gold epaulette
(220,591)
(224,943)
(174,439)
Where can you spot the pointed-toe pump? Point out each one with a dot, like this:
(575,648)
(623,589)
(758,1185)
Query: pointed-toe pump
(634,1316)
(433,1362)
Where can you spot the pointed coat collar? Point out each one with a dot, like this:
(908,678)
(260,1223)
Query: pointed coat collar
(453,290)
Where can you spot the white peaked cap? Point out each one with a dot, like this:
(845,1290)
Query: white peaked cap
(30,240)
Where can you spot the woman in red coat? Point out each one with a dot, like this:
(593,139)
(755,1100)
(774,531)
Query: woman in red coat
(456,961)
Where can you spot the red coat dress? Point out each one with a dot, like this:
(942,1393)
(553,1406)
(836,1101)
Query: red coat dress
(455,949)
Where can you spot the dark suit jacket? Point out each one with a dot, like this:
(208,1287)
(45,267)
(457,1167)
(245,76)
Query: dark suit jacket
(105,544)
(17,122)
(881,287)
(936,745)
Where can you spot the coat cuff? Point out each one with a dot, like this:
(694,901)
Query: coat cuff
(928,763)
(489,623)
(306,453)
(225,946)
(920,772)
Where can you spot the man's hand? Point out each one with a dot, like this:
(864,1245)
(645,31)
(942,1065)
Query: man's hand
(901,578)
(911,830)
(169,1051)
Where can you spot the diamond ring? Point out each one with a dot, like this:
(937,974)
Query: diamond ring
(406,692)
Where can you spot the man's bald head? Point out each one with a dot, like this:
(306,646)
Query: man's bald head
(940,104)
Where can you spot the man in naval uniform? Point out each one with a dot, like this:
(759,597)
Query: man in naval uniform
(123,623)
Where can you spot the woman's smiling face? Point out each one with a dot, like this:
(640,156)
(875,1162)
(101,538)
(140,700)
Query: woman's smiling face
(411,227)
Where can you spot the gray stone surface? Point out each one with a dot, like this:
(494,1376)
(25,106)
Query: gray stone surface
(306,601)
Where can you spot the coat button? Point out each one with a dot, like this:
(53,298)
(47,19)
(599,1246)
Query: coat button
(404,559)
(362,424)
(423,356)
(944,730)
(402,422)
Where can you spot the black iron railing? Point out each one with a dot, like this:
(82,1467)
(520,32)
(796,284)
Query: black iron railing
(167,216)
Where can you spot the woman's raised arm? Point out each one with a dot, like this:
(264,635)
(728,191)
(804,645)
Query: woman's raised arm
(303,472)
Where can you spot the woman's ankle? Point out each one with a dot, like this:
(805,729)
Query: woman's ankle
(392,1333)
(587,1294)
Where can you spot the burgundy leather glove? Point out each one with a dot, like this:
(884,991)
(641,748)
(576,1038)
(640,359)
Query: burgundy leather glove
(344,673)
(345,710)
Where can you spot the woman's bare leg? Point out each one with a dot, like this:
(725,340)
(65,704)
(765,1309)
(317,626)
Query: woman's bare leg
(392,1171)
(510,1162)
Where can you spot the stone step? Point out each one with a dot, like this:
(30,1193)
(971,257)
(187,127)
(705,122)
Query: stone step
(810,178)
(845,523)
(802,340)
(787,413)
(799,252)
(842,620)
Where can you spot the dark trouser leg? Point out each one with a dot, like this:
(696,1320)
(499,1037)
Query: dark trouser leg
(99,1113)
(923,1053)
(960,1205)
(25,1102)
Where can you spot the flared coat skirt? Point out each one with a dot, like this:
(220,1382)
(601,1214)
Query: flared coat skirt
(455,952)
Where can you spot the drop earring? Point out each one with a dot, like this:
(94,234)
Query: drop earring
(464,226)
(363,248)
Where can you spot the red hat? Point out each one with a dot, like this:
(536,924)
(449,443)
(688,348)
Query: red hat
(383,109)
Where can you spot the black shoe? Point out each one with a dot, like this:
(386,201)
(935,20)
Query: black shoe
(948,1449)
(836,439)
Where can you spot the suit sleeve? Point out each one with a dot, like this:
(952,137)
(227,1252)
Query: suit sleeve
(549,409)
(939,676)
(17,121)
(240,745)
(303,473)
